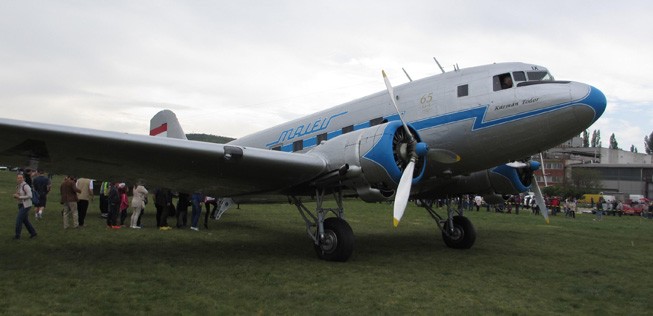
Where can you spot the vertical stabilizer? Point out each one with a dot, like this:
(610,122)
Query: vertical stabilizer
(165,124)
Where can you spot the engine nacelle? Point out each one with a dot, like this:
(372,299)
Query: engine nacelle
(503,179)
(371,160)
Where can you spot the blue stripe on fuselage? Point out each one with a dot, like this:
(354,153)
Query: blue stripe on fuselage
(477,114)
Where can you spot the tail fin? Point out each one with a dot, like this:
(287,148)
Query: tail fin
(165,124)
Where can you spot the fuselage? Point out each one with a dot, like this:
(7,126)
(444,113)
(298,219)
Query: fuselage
(488,115)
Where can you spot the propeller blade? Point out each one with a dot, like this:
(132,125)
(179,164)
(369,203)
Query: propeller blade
(394,102)
(403,192)
(517,164)
(539,199)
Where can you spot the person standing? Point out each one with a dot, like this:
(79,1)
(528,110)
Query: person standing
(138,204)
(104,198)
(124,203)
(182,209)
(23,196)
(478,200)
(208,201)
(599,208)
(113,203)
(85,195)
(69,201)
(163,203)
(197,199)
(42,186)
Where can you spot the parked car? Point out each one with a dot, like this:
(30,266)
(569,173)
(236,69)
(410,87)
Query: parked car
(3,168)
(636,207)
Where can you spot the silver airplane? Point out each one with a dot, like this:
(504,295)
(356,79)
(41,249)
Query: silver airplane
(466,131)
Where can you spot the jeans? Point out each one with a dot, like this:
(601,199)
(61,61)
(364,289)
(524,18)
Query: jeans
(197,211)
(599,214)
(23,218)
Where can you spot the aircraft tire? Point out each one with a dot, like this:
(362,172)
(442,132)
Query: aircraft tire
(338,244)
(464,234)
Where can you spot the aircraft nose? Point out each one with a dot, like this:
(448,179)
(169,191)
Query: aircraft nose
(597,101)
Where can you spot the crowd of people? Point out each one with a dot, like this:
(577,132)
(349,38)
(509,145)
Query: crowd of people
(33,188)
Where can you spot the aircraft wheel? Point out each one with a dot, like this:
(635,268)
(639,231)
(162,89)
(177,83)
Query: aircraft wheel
(463,236)
(338,243)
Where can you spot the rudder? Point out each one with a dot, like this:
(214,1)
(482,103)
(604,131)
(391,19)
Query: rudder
(165,124)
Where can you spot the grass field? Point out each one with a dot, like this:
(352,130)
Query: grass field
(258,260)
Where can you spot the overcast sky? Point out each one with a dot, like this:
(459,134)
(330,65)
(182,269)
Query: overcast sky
(231,68)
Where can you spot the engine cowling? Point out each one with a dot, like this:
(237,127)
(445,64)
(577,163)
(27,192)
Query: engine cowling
(371,160)
(502,179)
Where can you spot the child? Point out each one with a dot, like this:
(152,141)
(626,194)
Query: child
(124,203)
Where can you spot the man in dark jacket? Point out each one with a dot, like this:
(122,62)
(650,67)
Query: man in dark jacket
(69,192)
(163,203)
(114,204)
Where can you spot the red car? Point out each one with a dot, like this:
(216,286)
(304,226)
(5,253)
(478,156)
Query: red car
(636,207)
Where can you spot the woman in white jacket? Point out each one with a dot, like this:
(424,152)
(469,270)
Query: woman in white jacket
(138,203)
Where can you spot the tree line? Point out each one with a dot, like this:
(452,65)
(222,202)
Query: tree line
(595,141)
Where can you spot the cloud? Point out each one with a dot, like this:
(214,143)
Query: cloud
(232,68)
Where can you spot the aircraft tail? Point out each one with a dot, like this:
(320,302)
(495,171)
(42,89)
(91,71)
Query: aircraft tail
(165,124)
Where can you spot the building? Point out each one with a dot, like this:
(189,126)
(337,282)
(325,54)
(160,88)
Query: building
(620,171)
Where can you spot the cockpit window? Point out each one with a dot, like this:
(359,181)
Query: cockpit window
(540,76)
(519,76)
(502,81)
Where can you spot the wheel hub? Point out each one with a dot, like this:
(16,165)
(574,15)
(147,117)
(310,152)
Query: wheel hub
(329,242)
(456,233)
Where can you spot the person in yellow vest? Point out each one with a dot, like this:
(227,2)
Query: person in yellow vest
(104,198)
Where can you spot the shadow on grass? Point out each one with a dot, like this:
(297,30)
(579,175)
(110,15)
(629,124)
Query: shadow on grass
(230,242)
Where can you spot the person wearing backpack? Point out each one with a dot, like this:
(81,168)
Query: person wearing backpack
(23,196)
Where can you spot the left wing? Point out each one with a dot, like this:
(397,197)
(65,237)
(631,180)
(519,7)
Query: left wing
(220,170)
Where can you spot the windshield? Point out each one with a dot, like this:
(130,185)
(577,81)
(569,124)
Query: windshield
(539,76)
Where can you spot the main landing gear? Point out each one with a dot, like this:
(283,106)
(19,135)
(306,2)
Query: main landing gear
(457,231)
(333,238)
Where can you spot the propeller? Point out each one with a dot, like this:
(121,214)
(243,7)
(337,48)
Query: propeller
(539,199)
(403,192)
(394,102)
(405,183)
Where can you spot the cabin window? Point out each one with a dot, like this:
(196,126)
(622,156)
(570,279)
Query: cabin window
(321,137)
(502,81)
(277,148)
(463,91)
(376,121)
(298,145)
(519,76)
(348,129)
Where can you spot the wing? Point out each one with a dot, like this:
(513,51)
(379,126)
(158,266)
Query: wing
(183,165)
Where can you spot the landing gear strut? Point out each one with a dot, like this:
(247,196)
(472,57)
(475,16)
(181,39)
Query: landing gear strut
(457,231)
(332,237)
